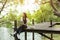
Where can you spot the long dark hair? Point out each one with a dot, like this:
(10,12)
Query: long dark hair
(24,18)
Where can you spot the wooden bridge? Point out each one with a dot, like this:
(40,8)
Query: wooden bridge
(42,29)
(45,27)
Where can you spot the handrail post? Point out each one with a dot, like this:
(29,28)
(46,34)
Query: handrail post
(51,33)
(51,23)
(15,28)
(33,24)
(15,25)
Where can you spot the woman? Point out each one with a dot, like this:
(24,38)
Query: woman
(24,18)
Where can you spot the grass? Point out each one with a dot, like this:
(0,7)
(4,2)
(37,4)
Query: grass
(55,36)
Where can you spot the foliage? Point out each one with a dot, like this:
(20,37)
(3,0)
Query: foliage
(43,14)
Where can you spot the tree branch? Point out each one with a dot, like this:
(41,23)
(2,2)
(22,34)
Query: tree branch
(56,12)
(3,6)
(51,2)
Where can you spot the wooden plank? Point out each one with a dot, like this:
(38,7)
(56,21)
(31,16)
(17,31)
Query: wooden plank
(33,35)
(42,31)
(33,32)
(25,35)
(51,36)
(43,27)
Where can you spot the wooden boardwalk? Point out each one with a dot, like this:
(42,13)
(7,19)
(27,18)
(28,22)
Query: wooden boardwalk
(43,28)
